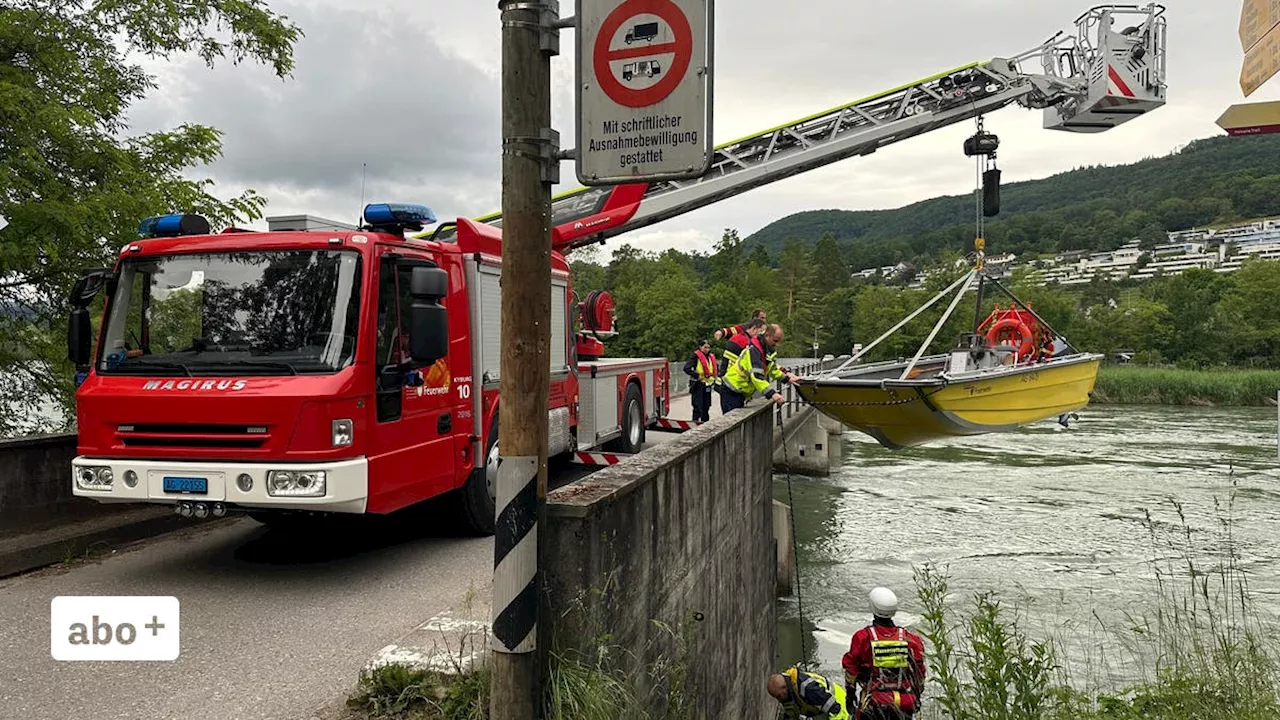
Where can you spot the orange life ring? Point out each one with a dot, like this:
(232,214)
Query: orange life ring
(1028,345)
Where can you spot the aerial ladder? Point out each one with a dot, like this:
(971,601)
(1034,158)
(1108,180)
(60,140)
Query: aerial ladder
(1108,72)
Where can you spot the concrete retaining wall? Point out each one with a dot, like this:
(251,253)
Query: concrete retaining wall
(35,484)
(682,535)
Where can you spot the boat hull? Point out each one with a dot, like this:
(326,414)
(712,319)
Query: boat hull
(902,414)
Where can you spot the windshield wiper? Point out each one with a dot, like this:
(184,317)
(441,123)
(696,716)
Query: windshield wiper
(258,363)
(139,362)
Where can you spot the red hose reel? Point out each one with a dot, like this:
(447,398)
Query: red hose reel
(596,315)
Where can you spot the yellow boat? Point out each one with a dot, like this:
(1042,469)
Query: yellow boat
(1013,370)
(936,404)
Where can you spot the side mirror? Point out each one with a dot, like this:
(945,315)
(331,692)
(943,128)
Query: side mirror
(79,337)
(88,286)
(429,320)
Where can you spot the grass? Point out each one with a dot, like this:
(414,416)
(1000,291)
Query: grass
(604,680)
(1201,651)
(601,681)
(1137,385)
(398,691)
(460,692)
(580,687)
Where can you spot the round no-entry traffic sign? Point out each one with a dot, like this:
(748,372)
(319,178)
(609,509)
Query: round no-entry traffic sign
(639,45)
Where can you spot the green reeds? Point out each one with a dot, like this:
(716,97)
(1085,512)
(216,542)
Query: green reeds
(1201,649)
(983,666)
(1137,385)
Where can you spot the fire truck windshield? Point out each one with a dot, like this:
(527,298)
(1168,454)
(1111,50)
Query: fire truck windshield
(278,312)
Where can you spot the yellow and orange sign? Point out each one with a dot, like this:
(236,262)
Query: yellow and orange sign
(1256,20)
(1260,40)
(1251,119)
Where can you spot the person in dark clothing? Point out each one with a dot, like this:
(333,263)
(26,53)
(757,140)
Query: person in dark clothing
(808,695)
(703,376)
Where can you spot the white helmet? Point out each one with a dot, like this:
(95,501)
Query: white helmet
(883,602)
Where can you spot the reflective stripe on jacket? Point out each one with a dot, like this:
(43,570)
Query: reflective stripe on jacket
(732,349)
(752,373)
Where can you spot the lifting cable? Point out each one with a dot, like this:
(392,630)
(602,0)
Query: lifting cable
(982,146)
(795,545)
(979,219)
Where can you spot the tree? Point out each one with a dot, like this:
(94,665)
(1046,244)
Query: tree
(721,306)
(878,308)
(796,278)
(586,276)
(729,259)
(1246,315)
(1192,298)
(760,256)
(837,313)
(1074,237)
(663,327)
(828,264)
(73,184)
(1176,214)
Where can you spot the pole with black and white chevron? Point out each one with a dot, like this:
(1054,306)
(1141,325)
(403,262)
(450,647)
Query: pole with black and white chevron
(515,556)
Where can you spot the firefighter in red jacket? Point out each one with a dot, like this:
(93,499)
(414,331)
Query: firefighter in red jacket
(740,328)
(885,664)
(748,335)
(737,337)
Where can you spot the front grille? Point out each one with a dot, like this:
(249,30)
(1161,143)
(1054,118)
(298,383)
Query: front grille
(193,435)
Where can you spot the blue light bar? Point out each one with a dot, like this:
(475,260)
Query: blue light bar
(173,226)
(398,215)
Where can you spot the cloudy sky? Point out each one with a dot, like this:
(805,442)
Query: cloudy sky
(411,89)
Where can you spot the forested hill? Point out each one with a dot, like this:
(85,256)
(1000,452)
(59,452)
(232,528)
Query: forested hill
(1219,179)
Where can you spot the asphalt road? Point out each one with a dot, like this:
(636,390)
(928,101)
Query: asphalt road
(273,625)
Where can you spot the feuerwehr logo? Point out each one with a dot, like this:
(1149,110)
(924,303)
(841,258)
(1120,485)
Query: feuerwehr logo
(194,385)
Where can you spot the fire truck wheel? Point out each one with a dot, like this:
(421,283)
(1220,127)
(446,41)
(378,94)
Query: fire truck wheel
(632,423)
(477,494)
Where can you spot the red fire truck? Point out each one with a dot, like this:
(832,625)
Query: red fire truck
(326,371)
(357,371)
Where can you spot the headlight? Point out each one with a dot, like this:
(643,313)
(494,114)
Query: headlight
(342,433)
(94,477)
(294,483)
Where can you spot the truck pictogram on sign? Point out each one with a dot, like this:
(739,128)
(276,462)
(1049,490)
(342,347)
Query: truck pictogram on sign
(646,32)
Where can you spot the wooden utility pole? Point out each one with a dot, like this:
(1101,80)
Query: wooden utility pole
(529,169)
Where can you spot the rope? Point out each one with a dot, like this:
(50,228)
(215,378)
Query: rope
(795,544)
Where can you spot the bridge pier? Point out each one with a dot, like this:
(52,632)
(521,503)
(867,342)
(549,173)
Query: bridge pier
(784,548)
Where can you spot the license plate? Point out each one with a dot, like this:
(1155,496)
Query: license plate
(187,485)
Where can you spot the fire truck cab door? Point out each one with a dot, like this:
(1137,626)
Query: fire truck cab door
(412,449)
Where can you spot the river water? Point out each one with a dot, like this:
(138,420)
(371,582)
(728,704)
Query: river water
(1050,519)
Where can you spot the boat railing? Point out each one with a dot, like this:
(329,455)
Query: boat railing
(1022,366)
(804,368)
